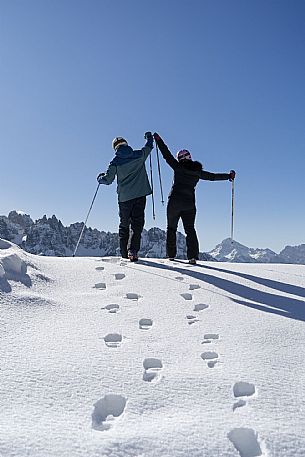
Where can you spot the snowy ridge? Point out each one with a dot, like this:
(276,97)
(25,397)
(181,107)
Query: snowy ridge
(151,359)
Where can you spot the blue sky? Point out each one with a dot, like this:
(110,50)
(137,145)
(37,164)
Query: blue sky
(224,79)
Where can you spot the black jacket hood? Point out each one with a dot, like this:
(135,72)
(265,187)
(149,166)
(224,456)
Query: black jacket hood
(192,165)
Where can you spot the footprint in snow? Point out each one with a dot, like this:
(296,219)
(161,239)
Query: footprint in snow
(239,404)
(111,260)
(179,278)
(211,356)
(191,319)
(100,268)
(208,337)
(194,286)
(200,307)
(112,308)
(242,389)
(119,276)
(187,296)
(152,369)
(100,285)
(113,340)
(106,409)
(145,324)
(132,296)
(245,440)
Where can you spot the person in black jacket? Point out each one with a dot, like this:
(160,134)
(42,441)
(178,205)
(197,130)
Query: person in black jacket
(181,199)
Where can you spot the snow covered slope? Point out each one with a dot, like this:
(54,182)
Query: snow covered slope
(101,357)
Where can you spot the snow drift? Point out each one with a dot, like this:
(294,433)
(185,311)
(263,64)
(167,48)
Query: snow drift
(164,359)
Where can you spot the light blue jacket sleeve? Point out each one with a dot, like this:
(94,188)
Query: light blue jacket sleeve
(147,149)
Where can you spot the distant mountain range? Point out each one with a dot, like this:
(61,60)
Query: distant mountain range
(228,251)
(48,236)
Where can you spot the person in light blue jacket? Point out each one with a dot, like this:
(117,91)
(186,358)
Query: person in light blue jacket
(128,166)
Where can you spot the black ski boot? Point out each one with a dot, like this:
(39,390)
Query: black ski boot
(133,256)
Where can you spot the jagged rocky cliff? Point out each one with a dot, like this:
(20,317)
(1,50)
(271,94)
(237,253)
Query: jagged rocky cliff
(48,236)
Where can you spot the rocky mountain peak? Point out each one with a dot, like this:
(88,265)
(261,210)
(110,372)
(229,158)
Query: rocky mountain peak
(48,236)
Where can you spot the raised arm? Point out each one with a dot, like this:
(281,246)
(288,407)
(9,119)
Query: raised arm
(149,145)
(146,150)
(167,155)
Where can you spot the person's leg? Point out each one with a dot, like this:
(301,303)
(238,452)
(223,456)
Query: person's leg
(124,212)
(192,245)
(173,215)
(137,221)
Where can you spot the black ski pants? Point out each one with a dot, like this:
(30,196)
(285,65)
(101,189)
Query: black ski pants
(131,214)
(187,212)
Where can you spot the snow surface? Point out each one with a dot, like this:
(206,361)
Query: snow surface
(102,357)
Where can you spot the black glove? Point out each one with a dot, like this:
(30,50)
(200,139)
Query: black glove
(157,136)
(100,176)
(147,135)
(232,175)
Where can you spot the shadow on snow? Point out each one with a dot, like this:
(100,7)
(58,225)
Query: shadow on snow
(248,296)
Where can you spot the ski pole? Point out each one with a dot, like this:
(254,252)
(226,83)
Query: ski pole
(159,172)
(152,188)
(81,233)
(232,211)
